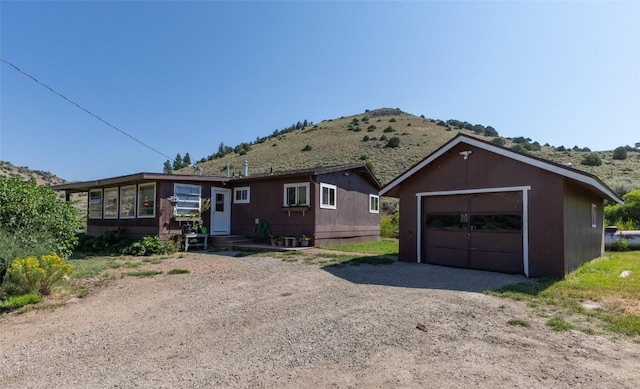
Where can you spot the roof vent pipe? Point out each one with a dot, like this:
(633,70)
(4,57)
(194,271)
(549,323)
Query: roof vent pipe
(245,168)
(228,169)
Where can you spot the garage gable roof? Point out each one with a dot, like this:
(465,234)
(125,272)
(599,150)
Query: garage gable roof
(570,173)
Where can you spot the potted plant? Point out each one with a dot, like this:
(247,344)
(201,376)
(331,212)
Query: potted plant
(280,240)
(273,239)
(304,240)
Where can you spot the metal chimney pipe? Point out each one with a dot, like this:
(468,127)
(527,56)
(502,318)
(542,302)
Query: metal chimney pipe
(245,168)
(228,169)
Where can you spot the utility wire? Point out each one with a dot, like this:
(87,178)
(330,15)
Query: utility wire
(84,109)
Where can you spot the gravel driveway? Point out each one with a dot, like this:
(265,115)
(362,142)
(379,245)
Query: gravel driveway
(262,322)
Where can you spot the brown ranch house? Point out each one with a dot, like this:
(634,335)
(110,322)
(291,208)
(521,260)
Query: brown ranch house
(331,205)
(473,204)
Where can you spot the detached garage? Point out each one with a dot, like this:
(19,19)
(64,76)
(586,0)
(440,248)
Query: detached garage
(476,205)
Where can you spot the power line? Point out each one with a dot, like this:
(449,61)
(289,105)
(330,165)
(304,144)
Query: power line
(84,109)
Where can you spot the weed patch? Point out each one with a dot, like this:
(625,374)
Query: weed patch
(144,273)
(519,322)
(178,271)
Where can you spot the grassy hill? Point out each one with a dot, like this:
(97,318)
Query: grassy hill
(42,178)
(340,141)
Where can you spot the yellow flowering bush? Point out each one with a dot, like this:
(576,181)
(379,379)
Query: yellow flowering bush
(37,274)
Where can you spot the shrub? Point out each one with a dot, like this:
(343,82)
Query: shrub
(371,128)
(150,245)
(392,120)
(383,138)
(36,274)
(500,141)
(365,138)
(518,147)
(39,218)
(307,148)
(591,159)
(389,129)
(620,153)
(389,225)
(625,215)
(393,142)
(560,148)
(15,302)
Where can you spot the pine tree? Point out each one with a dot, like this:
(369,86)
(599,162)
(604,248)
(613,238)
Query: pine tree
(186,161)
(167,169)
(177,162)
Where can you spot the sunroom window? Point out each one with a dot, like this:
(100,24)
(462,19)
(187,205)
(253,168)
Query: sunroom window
(111,203)
(95,204)
(147,200)
(189,199)
(296,194)
(128,202)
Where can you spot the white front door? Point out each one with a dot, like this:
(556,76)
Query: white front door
(220,211)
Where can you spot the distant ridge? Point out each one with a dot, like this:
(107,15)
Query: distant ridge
(41,177)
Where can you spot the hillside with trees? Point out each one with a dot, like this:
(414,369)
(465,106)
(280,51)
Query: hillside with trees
(390,141)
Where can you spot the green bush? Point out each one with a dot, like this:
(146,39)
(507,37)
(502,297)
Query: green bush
(15,302)
(389,225)
(365,138)
(150,245)
(625,216)
(500,141)
(620,153)
(393,142)
(389,129)
(307,148)
(592,159)
(392,120)
(32,216)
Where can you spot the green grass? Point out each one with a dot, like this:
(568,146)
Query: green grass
(178,271)
(597,282)
(519,322)
(143,273)
(381,247)
(91,267)
(15,302)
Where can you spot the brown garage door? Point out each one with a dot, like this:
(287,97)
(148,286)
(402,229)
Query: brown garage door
(476,231)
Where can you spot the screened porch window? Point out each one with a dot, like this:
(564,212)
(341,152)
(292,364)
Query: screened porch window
(189,199)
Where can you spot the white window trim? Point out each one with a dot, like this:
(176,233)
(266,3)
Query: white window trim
(194,202)
(242,189)
(322,199)
(104,202)
(89,204)
(594,216)
(296,185)
(140,187)
(135,203)
(377,198)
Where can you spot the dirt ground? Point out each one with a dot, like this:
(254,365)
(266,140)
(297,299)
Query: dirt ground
(263,322)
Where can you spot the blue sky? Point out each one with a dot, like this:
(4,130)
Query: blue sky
(185,76)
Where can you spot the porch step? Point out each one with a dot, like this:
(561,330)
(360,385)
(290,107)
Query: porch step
(229,241)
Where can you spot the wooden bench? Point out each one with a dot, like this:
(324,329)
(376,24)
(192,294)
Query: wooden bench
(194,240)
(290,241)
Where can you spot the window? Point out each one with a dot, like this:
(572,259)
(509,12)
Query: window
(296,194)
(95,204)
(374,204)
(448,221)
(110,203)
(147,200)
(128,202)
(188,199)
(484,222)
(327,196)
(594,216)
(241,195)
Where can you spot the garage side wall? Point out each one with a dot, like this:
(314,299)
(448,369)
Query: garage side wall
(583,241)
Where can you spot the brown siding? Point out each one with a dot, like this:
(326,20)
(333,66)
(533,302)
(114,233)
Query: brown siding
(351,221)
(266,198)
(484,169)
(582,242)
